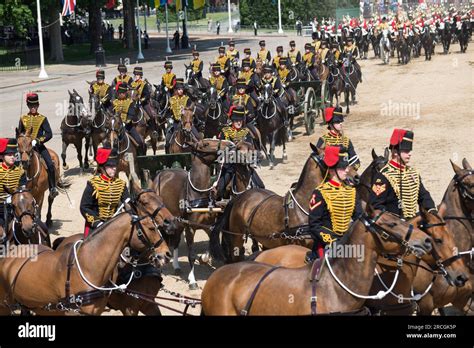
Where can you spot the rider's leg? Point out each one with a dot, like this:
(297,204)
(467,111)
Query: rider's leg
(141,151)
(169,134)
(43,151)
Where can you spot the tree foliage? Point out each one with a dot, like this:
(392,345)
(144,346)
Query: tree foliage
(18,15)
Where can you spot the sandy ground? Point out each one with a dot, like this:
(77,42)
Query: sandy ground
(435,99)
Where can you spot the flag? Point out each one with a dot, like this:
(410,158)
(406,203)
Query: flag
(110,4)
(68,7)
(198,4)
(162,2)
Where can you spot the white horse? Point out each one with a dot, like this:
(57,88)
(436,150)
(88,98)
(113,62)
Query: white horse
(385,46)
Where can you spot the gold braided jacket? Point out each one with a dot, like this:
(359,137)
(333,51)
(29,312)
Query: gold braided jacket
(9,178)
(108,194)
(221,61)
(334,140)
(121,106)
(292,55)
(168,80)
(177,104)
(195,65)
(34,122)
(235,135)
(217,82)
(410,187)
(100,89)
(341,201)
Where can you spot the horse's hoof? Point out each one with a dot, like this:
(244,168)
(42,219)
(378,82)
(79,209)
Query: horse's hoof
(193,286)
(65,167)
(271,166)
(204,258)
(86,165)
(285,155)
(177,271)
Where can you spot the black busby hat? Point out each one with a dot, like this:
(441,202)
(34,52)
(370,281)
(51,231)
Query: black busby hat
(283,61)
(402,139)
(122,68)
(279,49)
(32,99)
(122,88)
(238,114)
(267,69)
(292,43)
(314,35)
(241,83)
(245,62)
(247,51)
(222,49)
(179,83)
(168,65)
(216,67)
(336,157)
(307,46)
(107,157)
(8,146)
(100,74)
(261,43)
(231,43)
(138,71)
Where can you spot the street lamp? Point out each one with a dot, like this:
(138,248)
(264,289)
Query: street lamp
(42,74)
(230,17)
(280,29)
(140,54)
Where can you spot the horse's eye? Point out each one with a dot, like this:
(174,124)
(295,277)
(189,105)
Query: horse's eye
(438,240)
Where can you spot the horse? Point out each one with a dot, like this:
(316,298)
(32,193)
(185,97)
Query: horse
(118,138)
(374,40)
(267,217)
(215,116)
(76,276)
(351,80)
(457,207)
(427,42)
(271,118)
(403,51)
(145,124)
(182,190)
(26,226)
(252,288)
(75,126)
(100,122)
(37,173)
(384,46)
(446,37)
(182,135)
(192,80)
(463,37)
(335,80)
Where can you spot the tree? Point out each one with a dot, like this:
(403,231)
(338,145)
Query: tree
(18,15)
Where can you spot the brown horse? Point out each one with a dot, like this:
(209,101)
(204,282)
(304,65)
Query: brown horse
(118,138)
(100,121)
(37,173)
(270,219)
(75,127)
(145,124)
(261,289)
(182,191)
(26,226)
(79,270)
(457,209)
(179,142)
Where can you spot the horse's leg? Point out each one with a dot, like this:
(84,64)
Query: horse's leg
(174,248)
(87,140)
(63,156)
(191,257)
(49,221)
(346,99)
(285,156)
(78,146)
(272,149)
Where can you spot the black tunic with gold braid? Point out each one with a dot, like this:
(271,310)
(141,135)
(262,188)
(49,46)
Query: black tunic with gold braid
(334,139)
(101,198)
(235,135)
(11,178)
(332,207)
(398,189)
(39,125)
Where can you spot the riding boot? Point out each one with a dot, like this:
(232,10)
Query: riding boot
(53,191)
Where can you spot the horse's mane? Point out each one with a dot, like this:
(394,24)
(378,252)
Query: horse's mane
(101,228)
(304,173)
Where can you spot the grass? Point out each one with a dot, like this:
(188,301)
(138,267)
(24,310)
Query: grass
(78,52)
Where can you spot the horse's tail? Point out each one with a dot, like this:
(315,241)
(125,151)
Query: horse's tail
(63,184)
(215,246)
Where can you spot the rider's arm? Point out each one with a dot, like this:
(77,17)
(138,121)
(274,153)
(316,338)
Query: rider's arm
(352,154)
(379,191)
(89,206)
(424,198)
(317,210)
(358,211)
(298,57)
(47,133)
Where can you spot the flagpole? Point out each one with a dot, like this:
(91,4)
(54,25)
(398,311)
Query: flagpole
(42,74)
(280,29)
(140,54)
(144,14)
(168,48)
(230,17)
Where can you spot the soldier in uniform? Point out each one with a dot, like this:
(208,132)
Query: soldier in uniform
(197,65)
(242,98)
(122,77)
(251,80)
(104,193)
(275,82)
(334,118)
(168,79)
(11,177)
(100,88)
(220,84)
(224,63)
(333,204)
(323,50)
(353,51)
(293,54)
(126,108)
(248,56)
(316,41)
(309,59)
(233,55)
(264,54)
(40,133)
(336,53)
(177,103)
(397,188)
(143,91)
(276,59)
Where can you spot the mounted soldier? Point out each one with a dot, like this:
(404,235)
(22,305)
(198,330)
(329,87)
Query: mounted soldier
(252,80)
(351,52)
(333,204)
(220,83)
(276,59)
(248,56)
(104,193)
(122,77)
(398,187)
(224,63)
(277,89)
(309,60)
(143,91)
(101,89)
(334,118)
(12,177)
(293,54)
(196,65)
(316,41)
(323,50)
(124,106)
(40,133)
(233,55)
(263,54)
(168,79)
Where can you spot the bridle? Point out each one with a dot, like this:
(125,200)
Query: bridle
(32,214)
(458,180)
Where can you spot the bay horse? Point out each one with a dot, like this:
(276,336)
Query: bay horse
(117,137)
(145,124)
(76,275)
(75,127)
(252,288)
(182,135)
(457,208)
(182,190)
(271,118)
(261,214)
(427,42)
(335,80)
(351,80)
(37,173)
(26,226)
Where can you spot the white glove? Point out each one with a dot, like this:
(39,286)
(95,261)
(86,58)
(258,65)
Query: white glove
(166,89)
(33,143)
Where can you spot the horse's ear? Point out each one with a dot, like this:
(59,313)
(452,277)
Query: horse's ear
(69,92)
(456,168)
(374,155)
(465,164)
(135,186)
(315,148)
(17,132)
(385,154)
(74,90)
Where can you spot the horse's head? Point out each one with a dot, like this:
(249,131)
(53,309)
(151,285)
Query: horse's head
(25,147)
(187,117)
(209,150)
(152,215)
(444,252)
(267,92)
(213,97)
(395,236)
(25,211)
(115,130)
(378,162)
(464,181)
(188,72)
